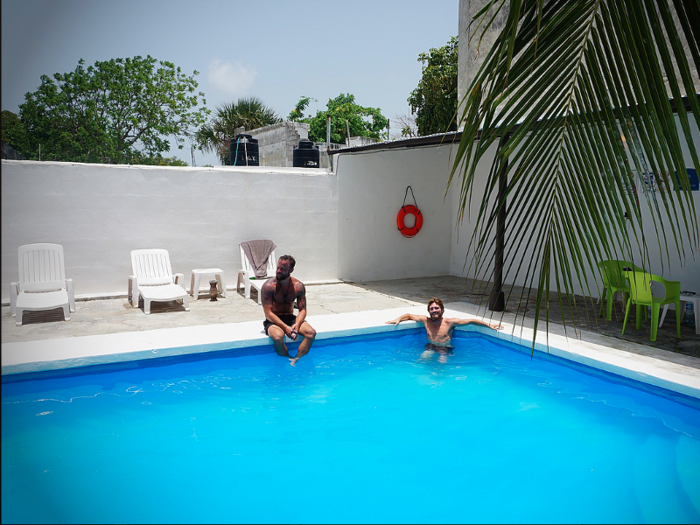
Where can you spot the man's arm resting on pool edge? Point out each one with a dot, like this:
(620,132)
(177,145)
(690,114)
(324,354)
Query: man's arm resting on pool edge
(456,321)
(407,317)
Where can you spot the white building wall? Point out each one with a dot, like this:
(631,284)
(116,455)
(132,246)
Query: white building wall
(468,64)
(688,274)
(99,213)
(371,188)
(462,230)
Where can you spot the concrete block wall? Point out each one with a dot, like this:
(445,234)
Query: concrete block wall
(276,142)
(360,141)
(323,157)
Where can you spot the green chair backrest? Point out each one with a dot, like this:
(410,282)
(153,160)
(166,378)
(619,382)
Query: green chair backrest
(613,273)
(640,286)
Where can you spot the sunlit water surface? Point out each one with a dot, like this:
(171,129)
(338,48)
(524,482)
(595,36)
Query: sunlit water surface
(373,429)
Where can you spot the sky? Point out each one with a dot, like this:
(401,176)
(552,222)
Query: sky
(276,50)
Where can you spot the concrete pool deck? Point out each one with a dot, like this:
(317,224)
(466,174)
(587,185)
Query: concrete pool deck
(111,330)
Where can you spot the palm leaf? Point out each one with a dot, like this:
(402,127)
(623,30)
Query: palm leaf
(574,94)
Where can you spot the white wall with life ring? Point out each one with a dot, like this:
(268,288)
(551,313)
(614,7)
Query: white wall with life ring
(372,214)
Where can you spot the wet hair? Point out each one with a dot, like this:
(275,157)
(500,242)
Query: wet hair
(290,259)
(438,302)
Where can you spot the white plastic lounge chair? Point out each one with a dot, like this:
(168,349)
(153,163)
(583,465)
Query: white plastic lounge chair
(153,280)
(42,281)
(247,274)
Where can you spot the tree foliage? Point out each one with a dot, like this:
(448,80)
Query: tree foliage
(247,112)
(363,121)
(434,101)
(158,160)
(575,94)
(407,124)
(14,133)
(112,112)
(297,114)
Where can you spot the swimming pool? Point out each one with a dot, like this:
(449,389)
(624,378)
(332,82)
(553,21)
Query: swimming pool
(367,429)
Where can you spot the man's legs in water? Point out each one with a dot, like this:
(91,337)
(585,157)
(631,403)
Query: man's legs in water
(277,335)
(309,336)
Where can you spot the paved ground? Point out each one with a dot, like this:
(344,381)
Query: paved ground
(451,289)
(117,315)
(110,316)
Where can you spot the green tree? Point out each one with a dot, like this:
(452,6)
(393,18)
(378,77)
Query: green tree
(171,161)
(14,132)
(248,112)
(575,94)
(157,160)
(434,101)
(297,114)
(112,112)
(363,121)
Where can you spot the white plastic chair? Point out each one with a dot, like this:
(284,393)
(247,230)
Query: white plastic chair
(42,281)
(153,280)
(247,275)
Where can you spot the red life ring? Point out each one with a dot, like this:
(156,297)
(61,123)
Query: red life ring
(405,210)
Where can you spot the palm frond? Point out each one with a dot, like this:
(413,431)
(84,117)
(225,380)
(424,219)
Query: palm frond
(576,95)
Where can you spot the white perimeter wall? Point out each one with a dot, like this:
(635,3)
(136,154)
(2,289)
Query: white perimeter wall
(371,189)
(338,227)
(99,213)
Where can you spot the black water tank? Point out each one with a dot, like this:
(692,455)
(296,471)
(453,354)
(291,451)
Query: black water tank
(306,155)
(243,151)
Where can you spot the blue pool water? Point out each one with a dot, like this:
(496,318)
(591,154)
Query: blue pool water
(367,430)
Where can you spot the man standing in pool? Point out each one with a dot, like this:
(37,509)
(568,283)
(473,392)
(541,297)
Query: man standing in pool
(438,328)
(278,296)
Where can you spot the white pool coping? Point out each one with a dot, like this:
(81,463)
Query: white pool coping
(593,350)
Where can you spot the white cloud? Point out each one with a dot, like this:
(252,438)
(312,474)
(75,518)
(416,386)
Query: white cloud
(232,78)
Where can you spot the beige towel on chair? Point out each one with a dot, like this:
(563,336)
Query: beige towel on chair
(258,252)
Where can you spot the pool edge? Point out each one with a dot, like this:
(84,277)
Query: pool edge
(590,350)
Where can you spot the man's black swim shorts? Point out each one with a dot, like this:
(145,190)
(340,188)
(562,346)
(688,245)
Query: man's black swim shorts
(288,319)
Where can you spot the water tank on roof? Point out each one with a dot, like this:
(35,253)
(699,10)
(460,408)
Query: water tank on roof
(306,155)
(243,151)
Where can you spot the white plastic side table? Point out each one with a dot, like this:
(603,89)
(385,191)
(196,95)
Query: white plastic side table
(695,299)
(218,274)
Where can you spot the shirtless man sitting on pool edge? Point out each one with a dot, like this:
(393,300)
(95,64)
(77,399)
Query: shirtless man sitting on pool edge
(278,296)
(438,328)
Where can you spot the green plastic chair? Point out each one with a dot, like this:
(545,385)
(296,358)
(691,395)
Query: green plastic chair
(640,295)
(614,281)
